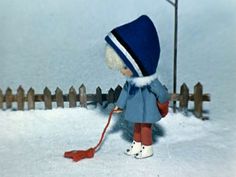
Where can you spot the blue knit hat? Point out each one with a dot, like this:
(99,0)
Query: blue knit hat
(137,44)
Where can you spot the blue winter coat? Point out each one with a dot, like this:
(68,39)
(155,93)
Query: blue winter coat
(139,103)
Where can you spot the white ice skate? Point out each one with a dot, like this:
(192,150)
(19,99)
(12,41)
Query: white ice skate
(145,152)
(134,148)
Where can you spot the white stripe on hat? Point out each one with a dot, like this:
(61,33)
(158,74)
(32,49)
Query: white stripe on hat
(126,53)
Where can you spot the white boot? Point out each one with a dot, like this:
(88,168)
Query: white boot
(145,152)
(134,148)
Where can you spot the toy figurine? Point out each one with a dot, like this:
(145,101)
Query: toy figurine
(134,50)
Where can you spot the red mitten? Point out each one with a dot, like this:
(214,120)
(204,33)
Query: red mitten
(79,155)
(70,154)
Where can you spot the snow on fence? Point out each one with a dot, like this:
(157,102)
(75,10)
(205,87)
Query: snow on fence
(98,98)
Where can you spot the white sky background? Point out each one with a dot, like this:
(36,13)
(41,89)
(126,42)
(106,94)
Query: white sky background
(61,43)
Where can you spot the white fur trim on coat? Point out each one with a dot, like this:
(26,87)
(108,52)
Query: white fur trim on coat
(142,81)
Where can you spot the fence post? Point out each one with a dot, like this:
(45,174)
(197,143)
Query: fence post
(47,98)
(9,98)
(72,97)
(20,98)
(111,96)
(99,95)
(117,92)
(198,100)
(1,99)
(82,96)
(184,97)
(30,98)
(59,98)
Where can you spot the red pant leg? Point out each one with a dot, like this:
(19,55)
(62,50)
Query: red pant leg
(137,132)
(146,134)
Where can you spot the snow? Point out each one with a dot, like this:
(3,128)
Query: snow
(33,143)
(62,44)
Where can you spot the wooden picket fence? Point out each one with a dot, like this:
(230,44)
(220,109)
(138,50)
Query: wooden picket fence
(98,98)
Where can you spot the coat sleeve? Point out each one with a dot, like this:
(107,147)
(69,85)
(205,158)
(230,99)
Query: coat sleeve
(160,91)
(121,102)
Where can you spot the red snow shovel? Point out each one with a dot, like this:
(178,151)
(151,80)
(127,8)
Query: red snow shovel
(77,155)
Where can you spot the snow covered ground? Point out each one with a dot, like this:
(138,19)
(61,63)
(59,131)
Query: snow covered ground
(61,44)
(33,143)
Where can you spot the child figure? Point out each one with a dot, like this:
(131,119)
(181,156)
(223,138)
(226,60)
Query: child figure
(134,49)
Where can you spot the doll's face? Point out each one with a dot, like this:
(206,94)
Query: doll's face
(126,72)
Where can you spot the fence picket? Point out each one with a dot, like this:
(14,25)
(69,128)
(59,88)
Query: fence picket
(20,98)
(184,97)
(99,95)
(9,98)
(198,100)
(117,92)
(1,99)
(59,98)
(82,96)
(31,99)
(47,98)
(72,97)
(111,96)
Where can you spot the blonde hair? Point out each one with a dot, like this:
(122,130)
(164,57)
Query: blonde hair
(113,60)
